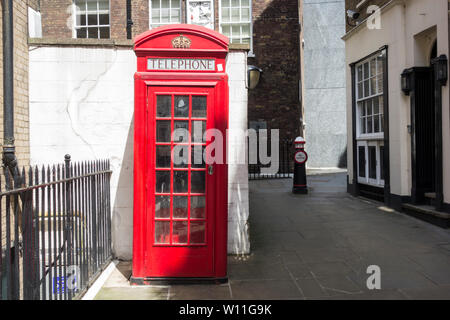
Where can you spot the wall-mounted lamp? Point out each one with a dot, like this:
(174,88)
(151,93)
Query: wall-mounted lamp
(254,74)
(406,81)
(440,68)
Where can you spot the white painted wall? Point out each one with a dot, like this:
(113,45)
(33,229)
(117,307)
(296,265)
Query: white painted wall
(82,103)
(401,26)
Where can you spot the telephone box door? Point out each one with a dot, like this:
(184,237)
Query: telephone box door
(180,183)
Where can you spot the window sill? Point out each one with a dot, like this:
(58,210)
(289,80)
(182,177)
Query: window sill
(80,42)
(371,137)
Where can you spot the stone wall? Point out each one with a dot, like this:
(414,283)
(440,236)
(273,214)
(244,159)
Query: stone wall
(324,105)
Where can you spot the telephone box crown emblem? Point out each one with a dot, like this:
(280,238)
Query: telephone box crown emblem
(181,42)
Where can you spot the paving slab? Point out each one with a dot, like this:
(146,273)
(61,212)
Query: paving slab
(318,246)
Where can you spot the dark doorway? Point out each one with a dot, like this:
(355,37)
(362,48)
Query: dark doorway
(422,135)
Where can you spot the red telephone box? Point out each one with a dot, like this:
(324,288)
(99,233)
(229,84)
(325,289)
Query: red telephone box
(180,203)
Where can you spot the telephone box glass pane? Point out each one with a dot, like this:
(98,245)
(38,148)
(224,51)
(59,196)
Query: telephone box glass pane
(163,181)
(198,181)
(162,131)
(163,156)
(180,207)
(163,106)
(180,181)
(197,158)
(197,232)
(181,131)
(180,232)
(198,131)
(162,232)
(180,156)
(199,107)
(198,207)
(162,207)
(181,107)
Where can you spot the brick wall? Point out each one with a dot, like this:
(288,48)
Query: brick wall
(276,45)
(21,116)
(351,5)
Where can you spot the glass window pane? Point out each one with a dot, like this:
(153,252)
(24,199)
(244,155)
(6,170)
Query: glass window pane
(181,107)
(245,31)
(180,207)
(163,156)
(162,232)
(364,126)
(376,124)
(175,15)
(235,3)
(104,19)
(180,156)
(366,88)
(181,131)
(245,3)
(163,131)
(180,181)
(225,3)
(198,207)
(360,73)
(373,67)
(369,124)
(92,19)
(81,4)
(366,70)
(82,33)
(381,123)
(104,33)
(175,4)
(155,16)
(380,83)
(162,207)
(382,162)
(225,14)
(162,182)
(198,131)
(92,6)
(165,3)
(199,107)
(197,157)
(81,20)
(163,106)
(369,107)
(362,109)
(381,105)
(165,15)
(372,162)
(197,234)
(375,103)
(235,15)
(360,90)
(180,232)
(197,181)
(362,161)
(373,86)
(156,4)
(226,30)
(245,14)
(103,5)
(93,33)
(380,62)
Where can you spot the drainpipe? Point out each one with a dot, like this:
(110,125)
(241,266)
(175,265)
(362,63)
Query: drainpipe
(129,20)
(9,156)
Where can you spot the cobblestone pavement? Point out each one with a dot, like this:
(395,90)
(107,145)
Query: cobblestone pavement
(318,246)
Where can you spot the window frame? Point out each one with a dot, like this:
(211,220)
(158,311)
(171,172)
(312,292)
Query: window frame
(188,20)
(371,97)
(150,8)
(240,22)
(75,27)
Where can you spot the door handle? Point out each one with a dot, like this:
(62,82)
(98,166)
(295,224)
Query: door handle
(210,169)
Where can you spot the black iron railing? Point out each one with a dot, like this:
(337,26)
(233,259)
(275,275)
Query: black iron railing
(55,230)
(285,161)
